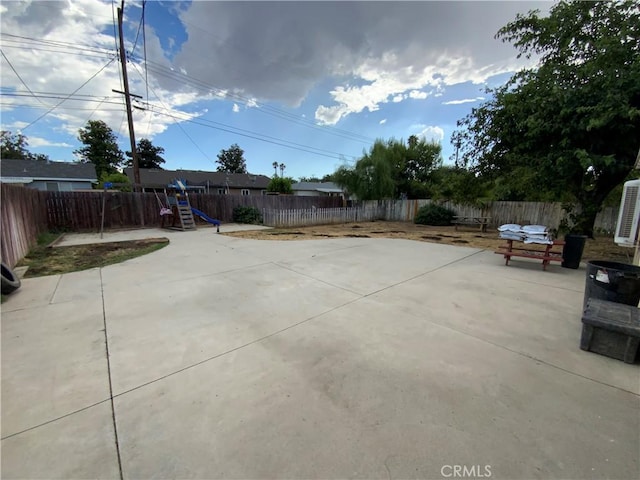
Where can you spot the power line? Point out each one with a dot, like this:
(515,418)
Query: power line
(255,135)
(19,77)
(267,109)
(139,26)
(73,93)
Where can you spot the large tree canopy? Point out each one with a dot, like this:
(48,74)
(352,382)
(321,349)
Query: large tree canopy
(232,160)
(149,156)
(571,126)
(100,147)
(391,169)
(14,146)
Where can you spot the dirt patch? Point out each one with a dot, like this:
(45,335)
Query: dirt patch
(51,261)
(600,248)
(351,235)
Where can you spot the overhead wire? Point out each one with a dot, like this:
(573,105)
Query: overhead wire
(182,78)
(255,135)
(72,93)
(364,138)
(19,77)
(139,27)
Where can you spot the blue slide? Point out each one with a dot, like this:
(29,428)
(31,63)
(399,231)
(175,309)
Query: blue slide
(205,217)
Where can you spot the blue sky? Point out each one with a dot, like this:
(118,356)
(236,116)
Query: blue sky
(307,84)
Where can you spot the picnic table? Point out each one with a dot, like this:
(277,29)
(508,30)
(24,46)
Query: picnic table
(547,255)
(482,222)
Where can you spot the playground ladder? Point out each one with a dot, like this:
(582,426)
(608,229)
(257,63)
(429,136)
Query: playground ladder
(187,222)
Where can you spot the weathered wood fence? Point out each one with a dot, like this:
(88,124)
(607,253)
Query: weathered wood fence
(549,214)
(23,217)
(78,211)
(317,216)
(26,213)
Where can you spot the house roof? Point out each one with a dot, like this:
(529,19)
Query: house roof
(325,187)
(26,171)
(162,178)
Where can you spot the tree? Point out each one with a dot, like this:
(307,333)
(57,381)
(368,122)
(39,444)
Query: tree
(312,179)
(116,177)
(100,147)
(280,185)
(372,177)
(282,167)
(232,160)
(391,169)
(14,146)
(148,155)
(570,127)
(275,168)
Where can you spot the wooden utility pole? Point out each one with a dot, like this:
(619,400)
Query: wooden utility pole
(127,99)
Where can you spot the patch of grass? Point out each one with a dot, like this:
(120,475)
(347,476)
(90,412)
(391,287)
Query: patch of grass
(47,238)
(52,261)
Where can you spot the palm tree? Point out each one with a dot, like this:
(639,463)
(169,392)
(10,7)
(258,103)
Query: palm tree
(282,167)
(275,168)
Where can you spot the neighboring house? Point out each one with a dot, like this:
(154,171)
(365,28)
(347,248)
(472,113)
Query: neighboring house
(51,176)
(318,189)
(203,182)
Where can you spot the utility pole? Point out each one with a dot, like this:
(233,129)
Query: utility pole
(127,99)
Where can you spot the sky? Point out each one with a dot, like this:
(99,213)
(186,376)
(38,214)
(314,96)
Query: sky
(307,84)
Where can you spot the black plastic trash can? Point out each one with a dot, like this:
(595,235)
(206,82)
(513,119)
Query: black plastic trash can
(572,250)
(613,282)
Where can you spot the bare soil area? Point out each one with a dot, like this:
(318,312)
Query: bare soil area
(600,248)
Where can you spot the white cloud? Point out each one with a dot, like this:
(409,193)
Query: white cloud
(17,125)
(383,121)
(429,132)
(418,95)
(397,98)
(464,100)
(85,24)
(43,142)
(236,108)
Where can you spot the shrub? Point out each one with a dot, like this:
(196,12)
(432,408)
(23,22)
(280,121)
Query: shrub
(247,215)
(434,214)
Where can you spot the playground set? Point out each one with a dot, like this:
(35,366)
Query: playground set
(177,209)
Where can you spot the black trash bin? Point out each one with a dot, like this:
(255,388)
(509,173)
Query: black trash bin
(612,281)
(572,250)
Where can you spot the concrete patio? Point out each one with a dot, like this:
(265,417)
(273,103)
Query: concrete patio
(220,357)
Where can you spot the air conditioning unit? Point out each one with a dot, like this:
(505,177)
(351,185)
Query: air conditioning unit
(629,216)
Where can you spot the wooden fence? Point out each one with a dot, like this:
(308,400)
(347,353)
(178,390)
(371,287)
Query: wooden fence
(23,217)
(26,213)
(78,211)
(549,214)
(317,216)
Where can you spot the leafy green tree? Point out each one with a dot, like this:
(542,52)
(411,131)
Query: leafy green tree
(280,185)
(459,185)
(100,147)
(115,178)
(372,177)
(232,160)
(310,179)
(14,146)
(391,169)
(149,156)
(571,126)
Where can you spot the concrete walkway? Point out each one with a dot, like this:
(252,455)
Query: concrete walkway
(219,357)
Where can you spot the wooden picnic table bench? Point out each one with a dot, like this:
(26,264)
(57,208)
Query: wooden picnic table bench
(482,222)
(547,255)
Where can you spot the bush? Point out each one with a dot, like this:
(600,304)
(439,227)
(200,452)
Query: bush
(434,214)
(247,215)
